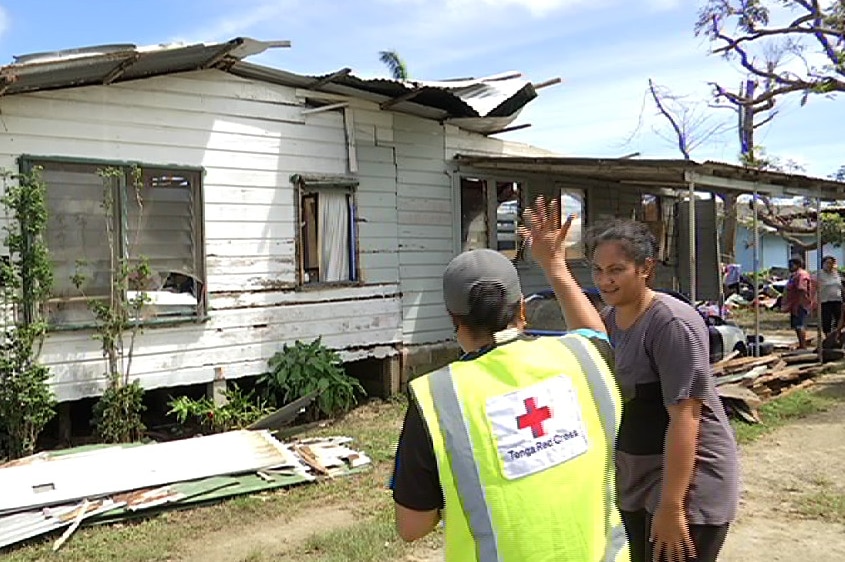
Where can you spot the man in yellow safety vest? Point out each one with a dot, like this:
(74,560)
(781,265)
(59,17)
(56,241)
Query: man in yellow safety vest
(512,445)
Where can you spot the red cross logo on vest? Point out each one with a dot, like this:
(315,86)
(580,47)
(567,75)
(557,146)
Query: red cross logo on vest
(534,417)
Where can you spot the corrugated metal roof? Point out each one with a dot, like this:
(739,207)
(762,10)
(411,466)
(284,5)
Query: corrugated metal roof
(112,63)
(484,105)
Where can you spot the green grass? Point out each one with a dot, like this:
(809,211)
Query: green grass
(826,505)
(770,320)
(372,539)
(781,411)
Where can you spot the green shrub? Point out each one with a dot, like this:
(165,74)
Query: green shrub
(241,410)
(117,414)
(302,368)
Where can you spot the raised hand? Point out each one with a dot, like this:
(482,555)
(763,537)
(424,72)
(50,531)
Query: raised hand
(543,232)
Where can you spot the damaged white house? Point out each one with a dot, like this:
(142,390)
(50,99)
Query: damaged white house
(276,207)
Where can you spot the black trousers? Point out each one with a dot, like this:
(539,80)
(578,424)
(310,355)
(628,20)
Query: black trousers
(831,314)
(708,539)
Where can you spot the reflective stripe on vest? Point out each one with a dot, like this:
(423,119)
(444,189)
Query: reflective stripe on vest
(603,397)
(456,438)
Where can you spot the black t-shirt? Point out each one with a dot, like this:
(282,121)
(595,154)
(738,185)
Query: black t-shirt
(415,482)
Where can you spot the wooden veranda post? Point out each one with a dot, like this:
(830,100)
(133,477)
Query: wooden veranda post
(692,260)
(819,258)
(756,266)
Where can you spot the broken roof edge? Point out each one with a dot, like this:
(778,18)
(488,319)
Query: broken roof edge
(678,173)
(481,101)
(347,85)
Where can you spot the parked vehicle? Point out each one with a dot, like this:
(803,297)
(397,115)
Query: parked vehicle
(544,317)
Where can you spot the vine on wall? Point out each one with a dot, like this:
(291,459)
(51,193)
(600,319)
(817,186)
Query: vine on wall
(117,317)
(26,275)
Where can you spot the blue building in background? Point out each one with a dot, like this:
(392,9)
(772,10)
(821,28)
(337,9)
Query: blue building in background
(774,250)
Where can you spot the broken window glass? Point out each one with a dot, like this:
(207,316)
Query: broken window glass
(155,220)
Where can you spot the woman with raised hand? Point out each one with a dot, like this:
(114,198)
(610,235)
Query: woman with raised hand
(676,454)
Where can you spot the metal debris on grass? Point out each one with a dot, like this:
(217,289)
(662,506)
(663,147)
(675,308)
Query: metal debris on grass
(50,491)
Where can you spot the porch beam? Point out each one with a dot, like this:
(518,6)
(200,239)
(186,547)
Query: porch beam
(547,83)
(399,99)
(319,83)
(508,129)
(121,69)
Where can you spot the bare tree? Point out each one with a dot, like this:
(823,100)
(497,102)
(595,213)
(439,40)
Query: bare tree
(693,124)
(813,38)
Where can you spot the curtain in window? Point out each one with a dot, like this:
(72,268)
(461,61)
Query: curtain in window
(333,236)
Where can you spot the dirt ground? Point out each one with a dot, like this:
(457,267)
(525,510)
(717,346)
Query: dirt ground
(782,472)
(280,536)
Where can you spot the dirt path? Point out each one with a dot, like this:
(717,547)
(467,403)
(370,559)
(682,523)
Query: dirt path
(783,474)
(280,536)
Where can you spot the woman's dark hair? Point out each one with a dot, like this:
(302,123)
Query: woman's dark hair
(488,310)
(828,258)
(635,238)
(796,261)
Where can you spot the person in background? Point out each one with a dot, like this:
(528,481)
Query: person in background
(732,278)
(829,283)
(798,299)
(512,445)
(677,471)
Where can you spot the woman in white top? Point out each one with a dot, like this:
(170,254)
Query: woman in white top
(830,293)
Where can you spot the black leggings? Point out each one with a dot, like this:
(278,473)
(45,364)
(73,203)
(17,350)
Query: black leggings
(708,539)
(831,314)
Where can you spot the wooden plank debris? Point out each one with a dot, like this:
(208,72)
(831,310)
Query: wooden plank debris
(745,383)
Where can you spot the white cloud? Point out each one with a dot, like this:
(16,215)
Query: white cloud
(4,20)
(536,8)
(249,15)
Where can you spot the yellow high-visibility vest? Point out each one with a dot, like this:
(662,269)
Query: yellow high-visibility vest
(524,438)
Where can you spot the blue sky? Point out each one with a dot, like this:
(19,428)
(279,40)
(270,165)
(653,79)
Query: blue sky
(604,50)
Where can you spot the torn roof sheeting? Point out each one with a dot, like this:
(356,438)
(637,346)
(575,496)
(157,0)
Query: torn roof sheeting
(105,64)
(483,105)
(502,95)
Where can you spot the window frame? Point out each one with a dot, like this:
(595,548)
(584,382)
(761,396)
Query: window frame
(306,185)
(491,181)
(26,162)
(583,194)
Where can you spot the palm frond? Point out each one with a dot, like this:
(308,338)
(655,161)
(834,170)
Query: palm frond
(395,64)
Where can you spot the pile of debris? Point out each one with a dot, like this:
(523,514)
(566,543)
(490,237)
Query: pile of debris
(745,383)
(47,492)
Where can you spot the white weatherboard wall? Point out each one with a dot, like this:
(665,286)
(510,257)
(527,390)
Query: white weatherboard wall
(249,137)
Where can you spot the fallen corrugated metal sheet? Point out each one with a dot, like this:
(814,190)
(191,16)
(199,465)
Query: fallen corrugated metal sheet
(331,453)
(22,526)
(96,474)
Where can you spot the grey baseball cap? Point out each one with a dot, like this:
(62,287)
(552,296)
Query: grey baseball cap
(478,267)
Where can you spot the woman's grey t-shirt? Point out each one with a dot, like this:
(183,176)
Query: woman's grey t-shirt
(661,359)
